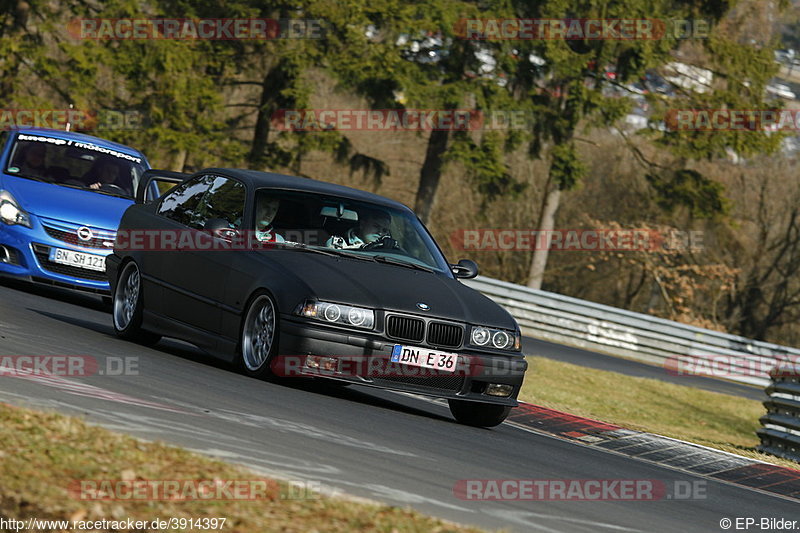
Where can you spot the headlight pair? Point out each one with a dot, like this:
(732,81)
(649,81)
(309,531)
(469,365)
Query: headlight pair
(494,338)
(339,314)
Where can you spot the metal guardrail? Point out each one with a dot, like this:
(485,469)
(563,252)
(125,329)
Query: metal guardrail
(680,348)
(781,432)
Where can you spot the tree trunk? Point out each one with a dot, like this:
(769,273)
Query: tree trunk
(257,148)
(179,160)
(430,174)
(547,220)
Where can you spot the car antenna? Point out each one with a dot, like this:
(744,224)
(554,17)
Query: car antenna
(68,125)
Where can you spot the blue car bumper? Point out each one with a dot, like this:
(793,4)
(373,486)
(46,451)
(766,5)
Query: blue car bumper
(25,253)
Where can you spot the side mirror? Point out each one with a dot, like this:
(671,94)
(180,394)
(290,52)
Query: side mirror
(466,269)
(220,229)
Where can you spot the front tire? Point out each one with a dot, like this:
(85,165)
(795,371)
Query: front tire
(484,415)
(127,307)
(259,340)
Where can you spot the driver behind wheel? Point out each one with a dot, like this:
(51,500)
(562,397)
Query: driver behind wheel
(266,209)
(373,226)
(105,172)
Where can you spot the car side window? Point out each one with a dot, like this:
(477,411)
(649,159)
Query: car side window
(224,200)
(181,205)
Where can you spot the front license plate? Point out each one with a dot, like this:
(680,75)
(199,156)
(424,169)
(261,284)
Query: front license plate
(78,259)
(424,357)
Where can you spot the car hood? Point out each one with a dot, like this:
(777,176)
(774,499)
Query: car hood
(390,287)
(65,203)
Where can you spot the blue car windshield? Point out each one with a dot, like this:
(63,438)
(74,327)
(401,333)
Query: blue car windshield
(77,164)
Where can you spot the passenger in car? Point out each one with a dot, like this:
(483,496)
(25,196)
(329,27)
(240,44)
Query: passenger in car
(31,160)
(266,209)
(373,225)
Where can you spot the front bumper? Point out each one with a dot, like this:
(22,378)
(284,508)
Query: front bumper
(24,254)
(364,359)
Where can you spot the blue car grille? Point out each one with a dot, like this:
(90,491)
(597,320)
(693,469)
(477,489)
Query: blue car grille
(68,232)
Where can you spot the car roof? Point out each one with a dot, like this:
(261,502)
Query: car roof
(256,179)
(80,137)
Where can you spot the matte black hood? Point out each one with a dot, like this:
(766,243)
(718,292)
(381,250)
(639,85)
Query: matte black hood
(396,288)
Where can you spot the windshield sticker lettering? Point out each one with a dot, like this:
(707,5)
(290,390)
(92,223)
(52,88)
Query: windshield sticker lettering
(37,138)
(86,146)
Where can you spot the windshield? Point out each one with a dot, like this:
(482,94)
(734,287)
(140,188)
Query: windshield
(76,164)
(346,227)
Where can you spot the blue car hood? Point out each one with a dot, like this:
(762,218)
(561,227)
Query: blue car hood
(64,203)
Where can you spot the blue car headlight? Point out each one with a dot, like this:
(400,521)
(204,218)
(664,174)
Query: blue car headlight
(11,213)
(347,315)
(499,339)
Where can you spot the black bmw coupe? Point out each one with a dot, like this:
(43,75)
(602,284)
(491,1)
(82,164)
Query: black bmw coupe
(290,276)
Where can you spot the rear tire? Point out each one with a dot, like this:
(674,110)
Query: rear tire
(127,305)
(484,415)
(259,338)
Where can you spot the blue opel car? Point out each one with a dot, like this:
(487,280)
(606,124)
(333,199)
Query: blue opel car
(62,195)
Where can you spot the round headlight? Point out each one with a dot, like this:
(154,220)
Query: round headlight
(480,336)
(332,313)
(501,339)
(356,316)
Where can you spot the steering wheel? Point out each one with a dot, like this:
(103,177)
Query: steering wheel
(384,243)
(110,187)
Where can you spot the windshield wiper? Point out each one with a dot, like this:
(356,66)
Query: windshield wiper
(300,246)
(399,262)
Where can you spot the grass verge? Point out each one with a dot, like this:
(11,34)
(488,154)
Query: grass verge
(43,453)
(721,421)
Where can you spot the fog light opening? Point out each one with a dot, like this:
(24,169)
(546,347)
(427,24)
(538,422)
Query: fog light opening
(322,364)
(499,389)
(5,257)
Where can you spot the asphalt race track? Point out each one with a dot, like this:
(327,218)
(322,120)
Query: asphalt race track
(394,448)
